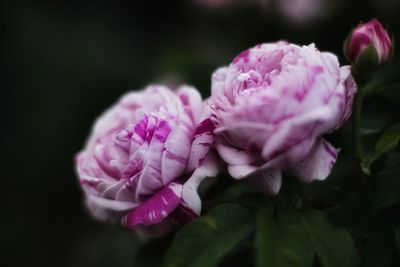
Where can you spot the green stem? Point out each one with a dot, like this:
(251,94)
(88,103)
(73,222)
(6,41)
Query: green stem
(358,151)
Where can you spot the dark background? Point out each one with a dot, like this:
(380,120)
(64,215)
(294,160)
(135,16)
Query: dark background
(66,61)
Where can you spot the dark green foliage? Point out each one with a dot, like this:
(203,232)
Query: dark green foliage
(387,142)
(205,241)
(283,241)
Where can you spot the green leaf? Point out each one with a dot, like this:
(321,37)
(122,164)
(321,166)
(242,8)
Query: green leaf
(282,242)
(390,92)
(334,246)
(388,141)
(384,76)
(206,240)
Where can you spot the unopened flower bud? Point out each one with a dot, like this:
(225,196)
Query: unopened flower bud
(368,45)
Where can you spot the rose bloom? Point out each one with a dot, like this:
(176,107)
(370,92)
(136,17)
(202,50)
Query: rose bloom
(270,107)
(146,156)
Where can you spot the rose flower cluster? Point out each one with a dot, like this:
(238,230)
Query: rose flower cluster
(268,110)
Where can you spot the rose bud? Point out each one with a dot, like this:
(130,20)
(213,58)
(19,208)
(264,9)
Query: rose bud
(271,106)
(368,45)
(146,156)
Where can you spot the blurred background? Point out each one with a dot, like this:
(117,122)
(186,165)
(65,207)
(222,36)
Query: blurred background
(66,61)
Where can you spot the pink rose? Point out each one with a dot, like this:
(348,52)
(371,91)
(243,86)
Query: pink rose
(270,107)
(146,156)
(369,38)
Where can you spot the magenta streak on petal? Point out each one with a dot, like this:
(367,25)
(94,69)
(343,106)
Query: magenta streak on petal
(140,128)
(300,94)
(358,42)
(133,106)
(151,128)
(329,149)
(184,99)
(201,160)
(314,71)
(205,144)
(156,208)
(133,168)
(205,126)
(177,158)
(282,118)
(163,131)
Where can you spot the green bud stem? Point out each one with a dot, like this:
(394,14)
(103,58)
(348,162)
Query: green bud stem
(357,142)
(361,78)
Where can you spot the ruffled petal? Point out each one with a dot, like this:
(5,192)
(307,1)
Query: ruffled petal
(202,142)
(318,164)
(191,101)
(175,155)
(234,156)
(303,125)
(241,171)
(350,88)
(151,178)
(108,209)
(190,197)
(218,80)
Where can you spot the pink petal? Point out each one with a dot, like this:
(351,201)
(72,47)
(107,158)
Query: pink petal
(175,156)
(138,134)
(303,126)
(294,154)
(190,197)
(242,134)
(241,171)
(281,161)
(108,209)
(234,156)
(350,88)
(191,100)
(202,142)
(156,208)
(218,80)
(151,177)
(318,164)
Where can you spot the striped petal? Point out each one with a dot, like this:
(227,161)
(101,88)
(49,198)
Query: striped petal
(202,142)
(175,155)
(156,208)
